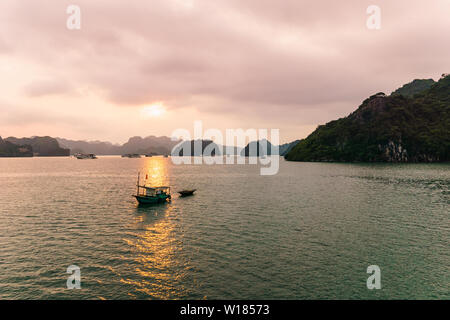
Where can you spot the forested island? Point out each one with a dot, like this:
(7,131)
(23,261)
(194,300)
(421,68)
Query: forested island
(8,149)
(29,147)
(410,125)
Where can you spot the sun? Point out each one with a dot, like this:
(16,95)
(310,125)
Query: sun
(154,110)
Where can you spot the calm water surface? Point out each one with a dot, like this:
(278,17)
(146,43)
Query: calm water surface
(308,232)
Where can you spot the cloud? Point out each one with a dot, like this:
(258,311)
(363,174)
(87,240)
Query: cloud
(291,59)
(47,87)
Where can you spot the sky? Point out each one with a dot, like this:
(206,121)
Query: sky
(140,68)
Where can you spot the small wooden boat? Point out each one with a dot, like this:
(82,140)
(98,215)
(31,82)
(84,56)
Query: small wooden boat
(186,193)
(151,195)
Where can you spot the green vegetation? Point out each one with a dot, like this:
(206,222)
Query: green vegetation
(394,128)
(415,87)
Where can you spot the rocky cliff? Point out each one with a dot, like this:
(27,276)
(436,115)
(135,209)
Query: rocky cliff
(395,128)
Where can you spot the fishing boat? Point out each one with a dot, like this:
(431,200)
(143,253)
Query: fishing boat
(151,195)
(186,193)
(83,156)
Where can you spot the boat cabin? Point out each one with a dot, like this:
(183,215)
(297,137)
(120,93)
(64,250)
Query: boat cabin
(146,191)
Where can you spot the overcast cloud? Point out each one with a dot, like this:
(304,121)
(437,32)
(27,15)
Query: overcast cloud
(251,63)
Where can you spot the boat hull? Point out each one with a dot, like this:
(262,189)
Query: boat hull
(152,200)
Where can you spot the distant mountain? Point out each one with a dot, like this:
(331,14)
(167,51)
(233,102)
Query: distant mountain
(138,145)
(414,87)
(285,148)
(394,128)
(149,145)
(260,148)
(187,148)
(257,148)
(8,149)
(41,146)
(95,147)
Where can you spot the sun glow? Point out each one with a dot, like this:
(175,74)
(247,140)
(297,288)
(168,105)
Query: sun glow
(154,110)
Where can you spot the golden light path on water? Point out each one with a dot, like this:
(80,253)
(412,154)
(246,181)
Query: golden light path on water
(157,170)
(156,254)
(157,247)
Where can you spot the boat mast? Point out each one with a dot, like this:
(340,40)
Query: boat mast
(139,174)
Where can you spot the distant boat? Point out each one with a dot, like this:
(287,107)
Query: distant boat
(166,156)
(83,156)
(131,155)
(151,195)
(186,193)
(148,155)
